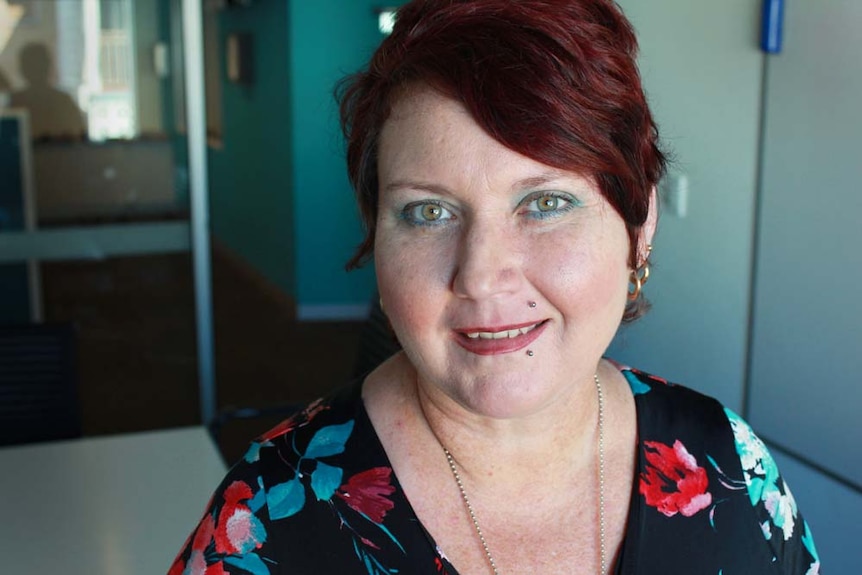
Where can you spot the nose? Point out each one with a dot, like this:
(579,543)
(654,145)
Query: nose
(488,263)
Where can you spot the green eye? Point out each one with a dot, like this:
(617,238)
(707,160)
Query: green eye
(431,212)
(548,203)
(543,205)
(428,213)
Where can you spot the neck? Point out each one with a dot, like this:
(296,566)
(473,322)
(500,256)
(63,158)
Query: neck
(488,448)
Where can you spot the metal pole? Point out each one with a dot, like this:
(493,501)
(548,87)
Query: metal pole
(193,55)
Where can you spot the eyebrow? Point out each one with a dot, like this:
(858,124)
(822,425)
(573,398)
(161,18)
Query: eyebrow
(524,183)
(538,181)
(422,186)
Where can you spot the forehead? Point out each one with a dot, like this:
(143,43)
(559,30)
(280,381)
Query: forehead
(428,131)
(429,137)
(421,115)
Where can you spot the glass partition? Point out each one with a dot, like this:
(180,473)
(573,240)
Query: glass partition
(94,209)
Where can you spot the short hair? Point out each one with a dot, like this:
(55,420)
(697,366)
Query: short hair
(554,80)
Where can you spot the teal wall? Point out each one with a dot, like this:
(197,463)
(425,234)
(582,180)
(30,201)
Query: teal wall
(279,194)
(328,39)
(250,178)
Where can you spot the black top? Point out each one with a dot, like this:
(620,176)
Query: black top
(317,495)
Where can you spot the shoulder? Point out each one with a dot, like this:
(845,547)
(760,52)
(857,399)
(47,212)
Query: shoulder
(666,408)
(241,531)
(700,460)
(233,530)
(307,455)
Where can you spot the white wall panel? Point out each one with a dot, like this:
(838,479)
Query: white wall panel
(702,71)
(832,511)
(806,371)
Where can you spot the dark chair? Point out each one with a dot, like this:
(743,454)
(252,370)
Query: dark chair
(38,383)
(376,343)
(232,414)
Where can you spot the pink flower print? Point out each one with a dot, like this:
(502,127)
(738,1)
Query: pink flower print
(673,482)
(238,531)
(197,564)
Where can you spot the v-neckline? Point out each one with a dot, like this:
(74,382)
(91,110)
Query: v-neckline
(628,546)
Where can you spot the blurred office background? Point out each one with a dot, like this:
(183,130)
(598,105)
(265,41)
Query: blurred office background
(186,215)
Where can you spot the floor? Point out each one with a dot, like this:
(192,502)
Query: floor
(137,348)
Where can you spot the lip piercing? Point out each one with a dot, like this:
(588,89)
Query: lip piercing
(530,352)
(532,304)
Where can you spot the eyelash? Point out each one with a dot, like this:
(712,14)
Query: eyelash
(571,203)
(408,213)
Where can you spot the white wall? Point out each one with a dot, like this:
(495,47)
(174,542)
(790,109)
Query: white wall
(704,74)
(702,71)
(806,345)
(807,338)
(832,511)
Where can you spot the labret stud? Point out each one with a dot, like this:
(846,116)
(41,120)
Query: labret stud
(532,304)
(530,352)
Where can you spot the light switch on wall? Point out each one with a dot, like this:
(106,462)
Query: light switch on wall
(673,194)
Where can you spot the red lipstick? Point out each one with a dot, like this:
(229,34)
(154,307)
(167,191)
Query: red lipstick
(484,346)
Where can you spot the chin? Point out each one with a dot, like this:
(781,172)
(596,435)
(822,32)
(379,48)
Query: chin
(505,396)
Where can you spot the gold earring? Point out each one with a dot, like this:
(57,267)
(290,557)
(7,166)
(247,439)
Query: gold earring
(639,277)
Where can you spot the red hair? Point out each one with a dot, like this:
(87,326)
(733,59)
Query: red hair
(554,80)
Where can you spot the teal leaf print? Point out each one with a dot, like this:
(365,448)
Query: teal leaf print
(329,440)
(252,455)
(286,499)
(638,387)
(386,531)
(325,480)
(760,472)
(259,499)
(251,563)
(372,565)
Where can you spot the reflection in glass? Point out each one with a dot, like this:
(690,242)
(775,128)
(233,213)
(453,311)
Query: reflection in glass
(98,79)
(104,163)
(53,113)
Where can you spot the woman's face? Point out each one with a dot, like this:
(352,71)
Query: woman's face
(468,234)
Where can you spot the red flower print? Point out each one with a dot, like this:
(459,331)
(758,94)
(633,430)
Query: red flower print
(649,376)
(238,530)
(203,534)
(236,492)
(368,492)
(196,564)
(178,567)
(298,419)
(673,483)
(216,569)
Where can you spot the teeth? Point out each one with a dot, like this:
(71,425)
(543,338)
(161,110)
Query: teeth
(505,334)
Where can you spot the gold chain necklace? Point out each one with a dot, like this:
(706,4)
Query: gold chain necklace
(601,458)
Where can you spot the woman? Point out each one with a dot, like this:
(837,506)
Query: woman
(505,162)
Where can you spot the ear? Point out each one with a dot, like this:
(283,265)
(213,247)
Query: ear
(647,232)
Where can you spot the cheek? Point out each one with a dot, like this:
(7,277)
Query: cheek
(413,279)
(585,276)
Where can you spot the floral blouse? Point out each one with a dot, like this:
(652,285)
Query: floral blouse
(317,495)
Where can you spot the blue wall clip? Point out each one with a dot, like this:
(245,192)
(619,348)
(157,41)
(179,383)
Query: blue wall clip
(771,26)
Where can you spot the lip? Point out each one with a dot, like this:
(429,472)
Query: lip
(499,346)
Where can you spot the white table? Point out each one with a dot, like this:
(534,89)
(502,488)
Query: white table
(119,505)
